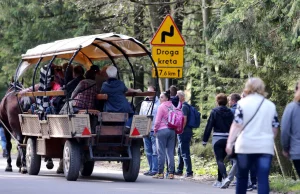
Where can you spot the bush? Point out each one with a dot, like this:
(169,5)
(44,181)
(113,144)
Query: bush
(198,150)
(282,185)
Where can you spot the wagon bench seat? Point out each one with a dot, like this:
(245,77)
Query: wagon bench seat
(98,97)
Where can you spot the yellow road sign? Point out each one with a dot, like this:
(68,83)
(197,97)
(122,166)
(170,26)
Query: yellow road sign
(168,34)
(168,72)
(165,56)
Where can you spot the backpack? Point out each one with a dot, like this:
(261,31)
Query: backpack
(175,119)
(194,117)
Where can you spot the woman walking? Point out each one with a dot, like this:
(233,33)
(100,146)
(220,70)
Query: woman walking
(219,120)
(256,122)
(165,137)
(290,130)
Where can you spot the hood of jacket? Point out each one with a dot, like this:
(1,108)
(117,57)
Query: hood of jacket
(223,112)
(113,83)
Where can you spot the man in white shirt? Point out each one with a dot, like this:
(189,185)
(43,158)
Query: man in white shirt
(150,141)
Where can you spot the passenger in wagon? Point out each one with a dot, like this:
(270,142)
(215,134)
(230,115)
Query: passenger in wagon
(68,73)
(115,90)
(85,93)
(59,101)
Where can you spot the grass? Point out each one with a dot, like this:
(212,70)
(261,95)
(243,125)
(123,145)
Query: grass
(284,185)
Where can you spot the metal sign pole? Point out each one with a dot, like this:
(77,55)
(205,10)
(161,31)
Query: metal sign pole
(166,84)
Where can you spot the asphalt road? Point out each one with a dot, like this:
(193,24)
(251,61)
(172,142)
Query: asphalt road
(102,181)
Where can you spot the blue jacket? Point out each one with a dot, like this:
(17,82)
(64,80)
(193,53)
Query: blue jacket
(116,102)
(233,108)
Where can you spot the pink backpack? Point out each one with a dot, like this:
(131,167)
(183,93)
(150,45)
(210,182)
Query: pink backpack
(175,119)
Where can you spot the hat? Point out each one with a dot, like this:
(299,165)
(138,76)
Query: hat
(95,68)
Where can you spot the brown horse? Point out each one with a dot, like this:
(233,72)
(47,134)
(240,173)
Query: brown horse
(9,110)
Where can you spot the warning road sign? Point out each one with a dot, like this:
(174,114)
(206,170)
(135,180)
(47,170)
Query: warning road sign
(168,34)
(168,72)
(168,56)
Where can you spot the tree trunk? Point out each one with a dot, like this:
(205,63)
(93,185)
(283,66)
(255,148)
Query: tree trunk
(157,14)
(138,33)
(206,13)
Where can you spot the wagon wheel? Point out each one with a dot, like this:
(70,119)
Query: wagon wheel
(33,161)
(131,167)
(71,160)
(87,168)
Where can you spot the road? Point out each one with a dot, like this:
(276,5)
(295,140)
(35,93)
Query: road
(103,180)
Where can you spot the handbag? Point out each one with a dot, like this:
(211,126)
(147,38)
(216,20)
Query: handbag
(233,154)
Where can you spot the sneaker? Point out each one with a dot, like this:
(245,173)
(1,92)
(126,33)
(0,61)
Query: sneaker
(250,188)
(189,176)
(152,173)
(171,176)
(178,173)
(147,173)
(158,176)
(254,186)
(217,184)
(225,183)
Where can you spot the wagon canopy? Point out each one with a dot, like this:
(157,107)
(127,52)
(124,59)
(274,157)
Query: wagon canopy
(92,47)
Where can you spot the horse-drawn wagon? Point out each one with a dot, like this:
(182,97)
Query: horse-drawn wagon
(90,135)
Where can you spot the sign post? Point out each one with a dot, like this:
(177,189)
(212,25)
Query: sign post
(167,51)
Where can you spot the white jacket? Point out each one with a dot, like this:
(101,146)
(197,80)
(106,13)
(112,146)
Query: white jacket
(258,136)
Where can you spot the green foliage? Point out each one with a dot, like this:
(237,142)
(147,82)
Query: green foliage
(279,184)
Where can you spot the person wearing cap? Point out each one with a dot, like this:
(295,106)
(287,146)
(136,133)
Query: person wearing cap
(115,90)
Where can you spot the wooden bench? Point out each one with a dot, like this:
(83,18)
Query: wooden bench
(98,97)
(43,93)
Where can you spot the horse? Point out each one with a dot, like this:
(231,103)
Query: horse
(10,108)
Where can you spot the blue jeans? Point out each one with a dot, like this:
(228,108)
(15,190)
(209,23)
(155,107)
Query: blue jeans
(184,154)
(151,152)
(165,142)
(262,163)
(3,138)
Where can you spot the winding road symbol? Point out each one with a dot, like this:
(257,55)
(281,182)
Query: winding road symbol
(165,33)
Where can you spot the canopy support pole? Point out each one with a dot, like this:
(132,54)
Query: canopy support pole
(127,59)
(109,56)
(154,64)
(17,71)
(69,63)
(34,73)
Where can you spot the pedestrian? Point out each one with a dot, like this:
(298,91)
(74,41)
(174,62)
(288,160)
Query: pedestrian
(184,141)
(175,101)
(252,180)
(290,130)
(232,102)
(165,137)
(173,96)
(219,121)
(254,128)
(3,142)
(150,141)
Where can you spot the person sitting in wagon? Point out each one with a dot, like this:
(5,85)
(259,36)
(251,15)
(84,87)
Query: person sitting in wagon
(84,95)
(59,101)
(115,90)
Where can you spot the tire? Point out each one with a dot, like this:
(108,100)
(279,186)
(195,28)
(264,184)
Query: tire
(131,168)
(71,160)
(33,161)
(87,168)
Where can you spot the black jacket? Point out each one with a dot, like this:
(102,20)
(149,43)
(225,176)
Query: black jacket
(220,120)
(70,87)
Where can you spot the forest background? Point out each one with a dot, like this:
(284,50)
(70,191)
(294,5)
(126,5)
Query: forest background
(227,41)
